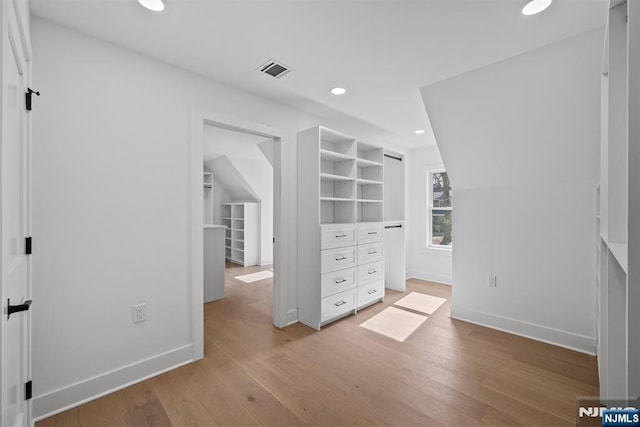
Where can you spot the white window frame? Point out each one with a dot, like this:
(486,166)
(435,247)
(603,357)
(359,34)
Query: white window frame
(430,209)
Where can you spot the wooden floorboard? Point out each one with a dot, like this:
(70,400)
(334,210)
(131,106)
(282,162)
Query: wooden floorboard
(447,372)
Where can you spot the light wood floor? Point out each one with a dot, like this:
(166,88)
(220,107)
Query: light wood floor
(447,373)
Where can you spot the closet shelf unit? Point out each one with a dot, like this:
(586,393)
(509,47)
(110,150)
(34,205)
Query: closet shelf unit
(340,225)
(618,201)
(207,197)
(241,239)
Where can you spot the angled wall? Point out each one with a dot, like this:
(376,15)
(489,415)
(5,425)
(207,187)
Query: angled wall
(520,141)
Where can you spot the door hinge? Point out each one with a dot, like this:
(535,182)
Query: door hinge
(28,97)
(27,245)
(28,390)
(274,240)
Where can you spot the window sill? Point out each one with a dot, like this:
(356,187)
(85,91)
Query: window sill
(438,251)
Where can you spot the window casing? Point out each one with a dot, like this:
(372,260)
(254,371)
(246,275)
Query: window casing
(440,203)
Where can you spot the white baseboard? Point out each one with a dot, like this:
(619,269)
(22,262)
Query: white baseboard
(430,277)
(292,317)
(580,343)
(266,262)
(68,397)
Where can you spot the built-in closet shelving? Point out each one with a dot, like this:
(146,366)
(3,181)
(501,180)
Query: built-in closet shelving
(617,198)
(340,225)
(241,238)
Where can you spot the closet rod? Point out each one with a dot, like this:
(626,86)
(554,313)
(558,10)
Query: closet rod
(393,226)
(393,157)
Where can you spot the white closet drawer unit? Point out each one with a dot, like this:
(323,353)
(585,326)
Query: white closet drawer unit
(370,292)
(337,236)
(338,304)
(370,253)
(370,272)
(339,281)
(370,232)
(337,259)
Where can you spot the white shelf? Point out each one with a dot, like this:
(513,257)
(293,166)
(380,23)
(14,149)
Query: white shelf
(334,156)
(332,177)
(368,181)
(369,201)
(366,162)
(335,199)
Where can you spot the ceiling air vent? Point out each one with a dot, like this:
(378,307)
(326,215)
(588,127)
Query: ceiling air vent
(274,68)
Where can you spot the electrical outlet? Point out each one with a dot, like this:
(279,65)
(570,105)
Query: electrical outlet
(492,281)
(139,313)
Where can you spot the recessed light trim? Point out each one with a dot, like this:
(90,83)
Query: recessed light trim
(535,6)
(155,5)
(338,91)
(419,131)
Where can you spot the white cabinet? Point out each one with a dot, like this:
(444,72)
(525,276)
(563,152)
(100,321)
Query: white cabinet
(340,225)
(618,207)
(241,240)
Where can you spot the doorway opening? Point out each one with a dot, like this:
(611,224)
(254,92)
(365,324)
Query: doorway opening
(236,189)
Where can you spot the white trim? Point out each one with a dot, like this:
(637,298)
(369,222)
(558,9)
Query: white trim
(266,262)
(292,317)
(576,342)
(430,277)
(74,395)
(201,117)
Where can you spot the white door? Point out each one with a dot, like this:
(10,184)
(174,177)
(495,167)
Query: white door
(15,219)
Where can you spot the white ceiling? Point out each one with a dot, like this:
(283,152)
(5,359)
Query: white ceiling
(382,51)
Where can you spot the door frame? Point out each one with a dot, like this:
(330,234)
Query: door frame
(200,117)
(14,20)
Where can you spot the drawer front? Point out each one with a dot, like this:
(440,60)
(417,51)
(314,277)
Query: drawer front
(336,237)
(338,304)
(337,259)
(370,292)
(370,272)
(371,252)
(370,232)
(339,281)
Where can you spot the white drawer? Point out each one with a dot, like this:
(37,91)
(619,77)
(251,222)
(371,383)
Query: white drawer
(371,252)
(338,281)
(370,292)
(337,236)
(370,232)
(337,259)
(370,272)
(338,304)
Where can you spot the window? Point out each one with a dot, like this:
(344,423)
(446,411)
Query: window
(439,198)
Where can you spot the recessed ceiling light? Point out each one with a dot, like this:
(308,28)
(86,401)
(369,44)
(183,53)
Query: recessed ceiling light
(535,6)
(155,5)
(338,91)
(419,132)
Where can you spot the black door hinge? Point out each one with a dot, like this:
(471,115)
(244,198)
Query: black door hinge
(28,390)
(274,240)
(27,245)
(28,97)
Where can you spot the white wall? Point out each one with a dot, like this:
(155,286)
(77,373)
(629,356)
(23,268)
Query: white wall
(423,262)
(520,140)
(111,141)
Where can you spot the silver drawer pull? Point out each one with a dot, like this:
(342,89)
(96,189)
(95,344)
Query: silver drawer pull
(373,271)
(373,232)
(338,304)
(341,235)
(372,252)
(340,258)
(372,291)
(341,280)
